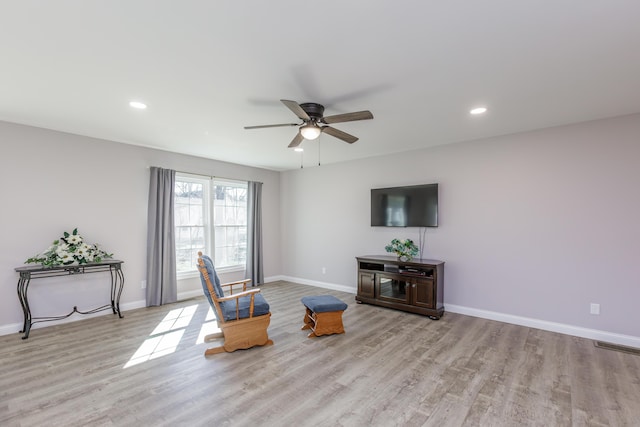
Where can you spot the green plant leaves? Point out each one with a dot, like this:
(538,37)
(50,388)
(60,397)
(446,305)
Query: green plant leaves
(402,248)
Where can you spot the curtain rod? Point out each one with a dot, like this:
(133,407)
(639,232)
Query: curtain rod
(208,176)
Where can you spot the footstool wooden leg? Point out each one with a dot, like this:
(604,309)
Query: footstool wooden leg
(308,320)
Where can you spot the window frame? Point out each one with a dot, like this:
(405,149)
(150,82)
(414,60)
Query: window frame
(207,215)
(209,184)
(229,183)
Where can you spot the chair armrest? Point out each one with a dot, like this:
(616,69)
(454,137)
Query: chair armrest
(230,285)
(251,292)
(239,295)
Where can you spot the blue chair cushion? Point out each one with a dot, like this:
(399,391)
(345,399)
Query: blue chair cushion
(260,307)
(213,276)
(323,303)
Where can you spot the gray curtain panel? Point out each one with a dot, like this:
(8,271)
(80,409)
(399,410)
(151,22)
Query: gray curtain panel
(162,284)
(254,269)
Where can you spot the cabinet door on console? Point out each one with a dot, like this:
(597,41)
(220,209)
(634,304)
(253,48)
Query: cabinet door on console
(366,285)
(423,293)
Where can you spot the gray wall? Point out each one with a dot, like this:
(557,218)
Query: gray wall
(535,225)
(52,182)
(532,226)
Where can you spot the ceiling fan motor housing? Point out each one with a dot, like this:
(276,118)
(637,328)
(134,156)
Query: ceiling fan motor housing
(313,110)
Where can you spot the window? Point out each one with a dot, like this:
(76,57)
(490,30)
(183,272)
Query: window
(210,216)
(191,214)
(230,223)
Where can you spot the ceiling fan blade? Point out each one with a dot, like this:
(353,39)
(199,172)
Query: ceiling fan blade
(296,140)
(348,117)
(271,126)
(339,134)
(296,108)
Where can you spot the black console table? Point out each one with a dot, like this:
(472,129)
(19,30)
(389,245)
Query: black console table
(114,267)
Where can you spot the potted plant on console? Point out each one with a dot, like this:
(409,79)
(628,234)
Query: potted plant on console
(404,249)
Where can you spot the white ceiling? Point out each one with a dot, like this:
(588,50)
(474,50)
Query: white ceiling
(208,68)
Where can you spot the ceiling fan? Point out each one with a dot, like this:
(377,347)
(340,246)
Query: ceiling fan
(314,122)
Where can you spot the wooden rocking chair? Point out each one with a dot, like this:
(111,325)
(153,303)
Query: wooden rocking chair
(243,317)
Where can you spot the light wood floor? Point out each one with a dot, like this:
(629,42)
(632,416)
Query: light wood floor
(389,369)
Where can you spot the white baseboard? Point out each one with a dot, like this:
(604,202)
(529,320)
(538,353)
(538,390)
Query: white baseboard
(11,328)
(577,331)
(324,285)
(273,279)
(14,328)
(594,334)
(190,294)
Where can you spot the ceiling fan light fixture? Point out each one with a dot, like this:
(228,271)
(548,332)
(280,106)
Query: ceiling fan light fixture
(310,131)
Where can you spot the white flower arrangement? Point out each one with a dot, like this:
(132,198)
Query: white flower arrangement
(70,249)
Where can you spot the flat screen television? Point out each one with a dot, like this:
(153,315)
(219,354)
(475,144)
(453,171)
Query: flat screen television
(410,206)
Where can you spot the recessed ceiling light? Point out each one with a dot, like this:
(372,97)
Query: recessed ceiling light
(298,149)
(479,110)
(137,104)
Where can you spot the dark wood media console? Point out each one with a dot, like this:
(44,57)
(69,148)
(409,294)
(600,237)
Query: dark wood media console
(416,286)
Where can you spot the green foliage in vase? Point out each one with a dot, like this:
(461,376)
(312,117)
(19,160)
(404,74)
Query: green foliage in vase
(402,248)
(70,249)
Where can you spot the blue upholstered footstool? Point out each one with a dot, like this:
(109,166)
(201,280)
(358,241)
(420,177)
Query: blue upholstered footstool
(324,315)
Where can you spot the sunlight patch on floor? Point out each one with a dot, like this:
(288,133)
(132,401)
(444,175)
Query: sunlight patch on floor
(165,337)
(210,315)
(209,327)
(175,319)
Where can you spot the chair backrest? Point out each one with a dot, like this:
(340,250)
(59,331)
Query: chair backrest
(213,276)
(210,281)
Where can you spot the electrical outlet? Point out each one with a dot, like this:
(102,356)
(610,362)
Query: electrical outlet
(324,270)
(143,284)
(595,308)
